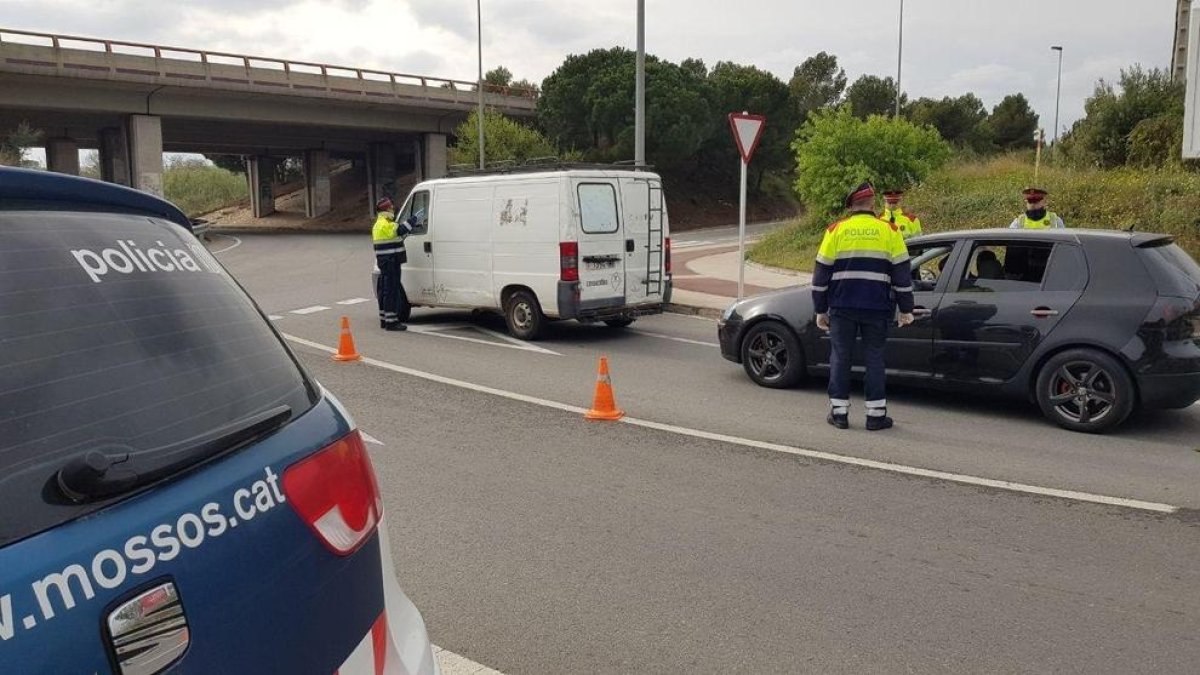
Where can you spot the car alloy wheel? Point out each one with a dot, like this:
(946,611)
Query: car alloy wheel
(1082,391)
(771,355)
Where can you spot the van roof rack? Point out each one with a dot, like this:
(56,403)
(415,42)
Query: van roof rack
(537,164)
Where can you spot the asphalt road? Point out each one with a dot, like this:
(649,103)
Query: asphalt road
(536,542)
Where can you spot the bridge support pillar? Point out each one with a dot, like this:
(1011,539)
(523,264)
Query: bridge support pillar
(260,171)
(381,174)
(62,155)
(146,153)
(114,156)
(433,152)
(318,197)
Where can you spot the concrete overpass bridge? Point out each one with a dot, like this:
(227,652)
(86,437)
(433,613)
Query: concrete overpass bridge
(133,101)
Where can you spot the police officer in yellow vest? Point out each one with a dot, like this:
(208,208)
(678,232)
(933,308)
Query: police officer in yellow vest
(1036,217)
(388,237)
(908,223)
(863,274)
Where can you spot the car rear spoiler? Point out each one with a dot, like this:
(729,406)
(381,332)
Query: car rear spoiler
(1150,240)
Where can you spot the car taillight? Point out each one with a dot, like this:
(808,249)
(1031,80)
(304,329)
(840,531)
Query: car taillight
(335,493)
(568,260)
(667,255)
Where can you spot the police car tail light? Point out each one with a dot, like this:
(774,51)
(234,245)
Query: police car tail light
(335,493)
(667,255)
(568,258)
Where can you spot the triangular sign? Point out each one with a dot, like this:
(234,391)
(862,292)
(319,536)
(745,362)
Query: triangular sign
(747,130)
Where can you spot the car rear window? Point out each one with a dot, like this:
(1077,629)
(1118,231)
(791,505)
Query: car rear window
(119,334)
(1174,271)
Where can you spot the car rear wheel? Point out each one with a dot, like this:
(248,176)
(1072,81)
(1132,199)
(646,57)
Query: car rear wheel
(1085,390)
(771,356)
(524,316)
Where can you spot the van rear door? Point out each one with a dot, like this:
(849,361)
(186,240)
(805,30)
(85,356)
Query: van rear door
(645,239)
(601,243)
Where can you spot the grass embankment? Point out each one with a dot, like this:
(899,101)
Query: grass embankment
(199,190)
(970,195)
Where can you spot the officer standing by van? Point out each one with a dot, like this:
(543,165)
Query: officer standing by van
(862,274)
(1036,217)
(908,223)
(388,238)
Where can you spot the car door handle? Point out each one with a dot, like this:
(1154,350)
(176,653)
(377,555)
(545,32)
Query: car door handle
(629,246)
(1043,312)
(429,247)
(921,311)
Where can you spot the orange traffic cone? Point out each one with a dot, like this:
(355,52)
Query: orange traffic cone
(346,350)
(604,406)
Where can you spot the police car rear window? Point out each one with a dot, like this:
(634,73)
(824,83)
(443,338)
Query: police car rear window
(119,334)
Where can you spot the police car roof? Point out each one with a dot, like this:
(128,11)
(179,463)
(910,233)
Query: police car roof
(42,190)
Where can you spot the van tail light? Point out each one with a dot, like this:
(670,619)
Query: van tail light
(335,493)
(568,260)
(667,256)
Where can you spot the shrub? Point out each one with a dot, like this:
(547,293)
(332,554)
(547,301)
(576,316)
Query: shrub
(835,151)
(200,189)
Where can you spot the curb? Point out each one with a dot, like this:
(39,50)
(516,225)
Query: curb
(693,310)
(777,270)
(282,230)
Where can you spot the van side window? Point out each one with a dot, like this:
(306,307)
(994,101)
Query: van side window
(417,206)
(598,208)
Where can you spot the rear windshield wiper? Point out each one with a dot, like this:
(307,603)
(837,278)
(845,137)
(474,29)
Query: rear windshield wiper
(97,475)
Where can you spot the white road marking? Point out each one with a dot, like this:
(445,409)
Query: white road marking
(274,317)
(369,438)
(310,310)
(676,339)
(775,447)
(438,330)
(353,301)
(236,243)
(453,664)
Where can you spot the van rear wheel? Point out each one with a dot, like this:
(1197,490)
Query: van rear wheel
(623,322)
(524,316)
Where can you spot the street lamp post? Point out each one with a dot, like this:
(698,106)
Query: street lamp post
(899,59)
(1057,95)
(479,14)
(639,104)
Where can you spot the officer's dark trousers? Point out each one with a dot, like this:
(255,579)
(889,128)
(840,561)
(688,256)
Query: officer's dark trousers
(389,290)
(845,325)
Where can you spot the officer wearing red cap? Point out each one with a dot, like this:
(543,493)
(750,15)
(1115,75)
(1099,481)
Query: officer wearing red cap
(1036,217)
(862,274)
(388,238)
(908,223)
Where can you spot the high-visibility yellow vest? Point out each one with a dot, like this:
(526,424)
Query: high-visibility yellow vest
(385,236)
(909,225)
(1048,221)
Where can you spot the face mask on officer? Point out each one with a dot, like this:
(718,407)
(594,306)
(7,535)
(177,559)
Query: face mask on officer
(1035,210)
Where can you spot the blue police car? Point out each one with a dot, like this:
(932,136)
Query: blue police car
(176,493)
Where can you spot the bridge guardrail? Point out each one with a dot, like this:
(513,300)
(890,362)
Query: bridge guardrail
(71,53)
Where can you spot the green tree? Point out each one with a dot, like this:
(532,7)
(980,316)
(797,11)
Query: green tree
(498,77)
(736,88)
(835,151)
(1013,123)
(959,120)
(503,139)
(1157,141)
(816,83)
(1103,136)
(873,95)
(587,103)
(16,142)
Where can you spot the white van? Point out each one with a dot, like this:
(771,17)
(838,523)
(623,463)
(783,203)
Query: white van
(586,244)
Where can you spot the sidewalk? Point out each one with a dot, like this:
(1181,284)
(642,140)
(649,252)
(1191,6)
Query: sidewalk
(706,277)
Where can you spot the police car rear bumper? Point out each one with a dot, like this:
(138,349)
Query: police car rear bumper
(570,306)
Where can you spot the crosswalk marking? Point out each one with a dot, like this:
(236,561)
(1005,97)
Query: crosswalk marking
(352,301)
(310,310)
(274,317)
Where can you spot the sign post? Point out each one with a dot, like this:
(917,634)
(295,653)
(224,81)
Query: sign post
(747,131)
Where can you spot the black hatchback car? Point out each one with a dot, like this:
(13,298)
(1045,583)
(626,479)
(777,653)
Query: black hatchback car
(1090,324)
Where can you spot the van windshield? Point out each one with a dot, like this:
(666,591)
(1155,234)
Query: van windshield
(120,334)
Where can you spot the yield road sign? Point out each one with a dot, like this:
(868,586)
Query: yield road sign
(747,130)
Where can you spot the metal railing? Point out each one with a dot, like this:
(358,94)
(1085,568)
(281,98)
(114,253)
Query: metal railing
(172,62)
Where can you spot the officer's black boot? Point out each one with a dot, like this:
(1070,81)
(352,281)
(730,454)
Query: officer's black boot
(880,422)
(395,327)
(841,421)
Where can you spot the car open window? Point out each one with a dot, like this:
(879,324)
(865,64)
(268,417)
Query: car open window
(1005,267)
(929,264)
(121,334)
(598,208)
(418,206)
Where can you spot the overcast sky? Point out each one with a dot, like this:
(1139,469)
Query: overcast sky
(950,46)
